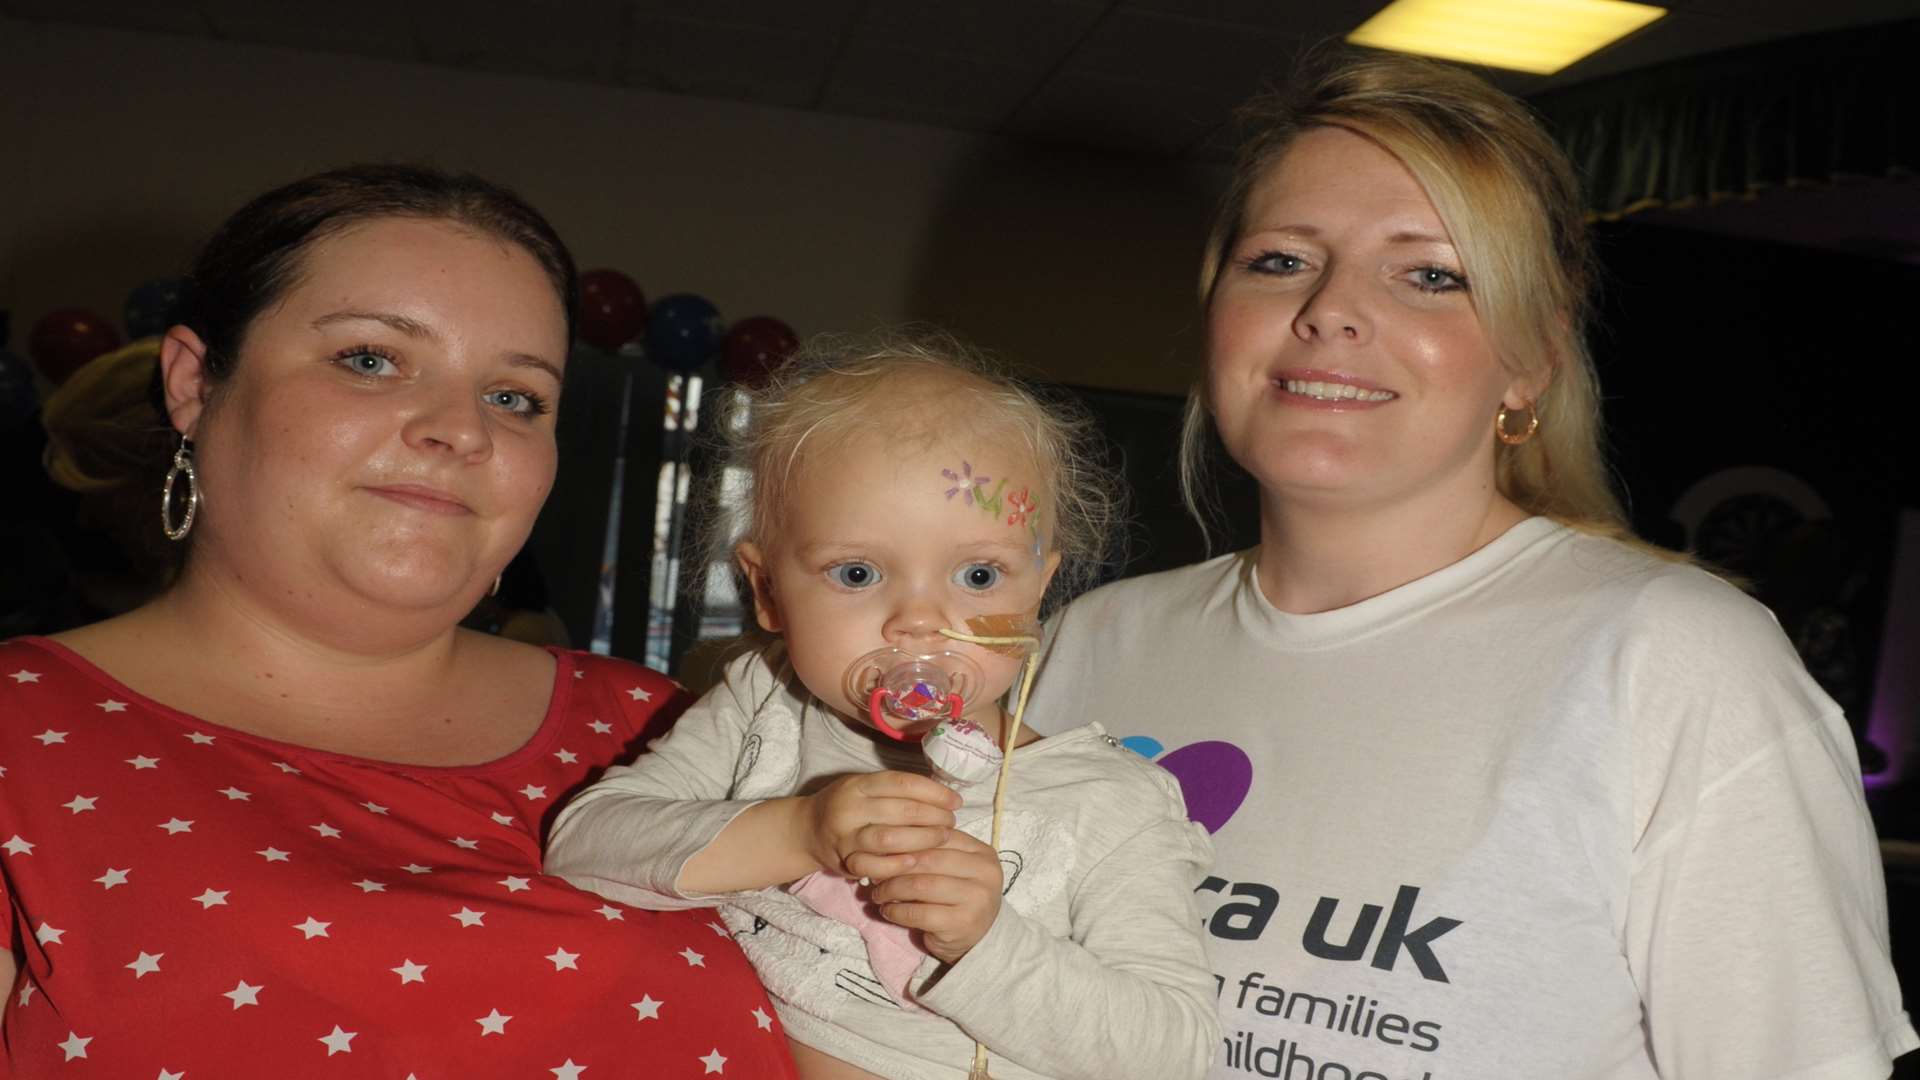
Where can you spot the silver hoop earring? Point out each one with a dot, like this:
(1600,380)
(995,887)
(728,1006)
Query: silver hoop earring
(182,466)
(495,591)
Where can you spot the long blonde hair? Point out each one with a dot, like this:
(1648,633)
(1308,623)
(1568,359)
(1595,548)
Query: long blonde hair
(1510,202)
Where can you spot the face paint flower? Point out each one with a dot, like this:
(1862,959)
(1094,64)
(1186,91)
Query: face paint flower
(1021,505)
(963,481)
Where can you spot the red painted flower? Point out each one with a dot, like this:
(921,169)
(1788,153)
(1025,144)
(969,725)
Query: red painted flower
(1022,506)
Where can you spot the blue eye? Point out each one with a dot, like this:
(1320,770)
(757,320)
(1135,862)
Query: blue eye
(365,362)
(1276,262)
(978,576)
(853,575)
(1438,279)
(517,401)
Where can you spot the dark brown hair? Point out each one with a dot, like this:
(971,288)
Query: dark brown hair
(251,261)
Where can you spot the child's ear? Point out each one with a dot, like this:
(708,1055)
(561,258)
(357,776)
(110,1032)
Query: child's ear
(754,565)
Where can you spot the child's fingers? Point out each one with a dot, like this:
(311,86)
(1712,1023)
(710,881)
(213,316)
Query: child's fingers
(897,839)
(970,886)
(902,785)
(871,866)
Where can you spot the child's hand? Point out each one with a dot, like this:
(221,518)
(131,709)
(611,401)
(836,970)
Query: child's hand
(879,815)
(951,895)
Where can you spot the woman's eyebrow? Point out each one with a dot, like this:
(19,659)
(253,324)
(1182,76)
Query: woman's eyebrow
(414,328)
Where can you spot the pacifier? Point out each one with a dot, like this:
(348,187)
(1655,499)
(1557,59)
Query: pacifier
(905,688)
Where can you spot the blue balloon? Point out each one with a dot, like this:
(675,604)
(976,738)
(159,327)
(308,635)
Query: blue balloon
(683,332)
(19,400)
(150,307)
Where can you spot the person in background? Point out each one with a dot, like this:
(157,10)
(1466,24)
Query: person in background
(286,817)
(1497,790)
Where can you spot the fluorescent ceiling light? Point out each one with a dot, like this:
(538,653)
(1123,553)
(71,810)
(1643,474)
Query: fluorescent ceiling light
(1540,36)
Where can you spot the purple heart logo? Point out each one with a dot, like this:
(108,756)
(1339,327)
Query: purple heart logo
(1215,778)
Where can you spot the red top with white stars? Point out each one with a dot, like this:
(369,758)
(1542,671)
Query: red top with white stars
(192,902)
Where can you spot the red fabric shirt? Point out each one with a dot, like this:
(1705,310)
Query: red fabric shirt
(191,902)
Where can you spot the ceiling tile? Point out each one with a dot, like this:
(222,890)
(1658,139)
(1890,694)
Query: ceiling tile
(360,27)
(1676,37)
(1180,52)
(925,88)
(575,39)
(159,16)
(1016,33)
(741,63)
(820,18)
(1318,19)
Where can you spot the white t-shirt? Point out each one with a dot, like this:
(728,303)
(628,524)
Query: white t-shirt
(1559,811)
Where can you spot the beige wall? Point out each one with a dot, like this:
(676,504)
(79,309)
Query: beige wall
(121,150)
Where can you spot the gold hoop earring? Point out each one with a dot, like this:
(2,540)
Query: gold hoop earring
(182,466)
(1503,430)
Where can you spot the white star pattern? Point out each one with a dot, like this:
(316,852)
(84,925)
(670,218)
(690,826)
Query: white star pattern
(638,694)
(241,795)
(714,1062)
(25,676)
(338,1042)
(718,929)
(74,1046)
(762,1020)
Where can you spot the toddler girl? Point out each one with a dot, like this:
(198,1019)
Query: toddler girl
(908,510)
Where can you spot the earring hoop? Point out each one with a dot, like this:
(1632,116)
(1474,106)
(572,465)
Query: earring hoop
(182,466)
(495,591)
(1503,430)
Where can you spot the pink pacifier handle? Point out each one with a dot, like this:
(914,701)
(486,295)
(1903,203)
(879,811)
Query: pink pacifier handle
(955,706)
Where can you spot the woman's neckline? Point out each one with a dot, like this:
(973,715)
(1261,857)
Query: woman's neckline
(559,697)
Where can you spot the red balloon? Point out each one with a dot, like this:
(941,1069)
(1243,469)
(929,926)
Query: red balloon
(613,311)
(755,347)
(66,338)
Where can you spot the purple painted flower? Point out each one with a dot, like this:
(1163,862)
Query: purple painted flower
(963,481)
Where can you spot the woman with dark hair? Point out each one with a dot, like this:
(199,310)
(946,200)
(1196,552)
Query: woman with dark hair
(288,812)
(1497,790)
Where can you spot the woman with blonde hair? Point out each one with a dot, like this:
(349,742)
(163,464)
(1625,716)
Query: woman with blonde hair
(1497,790)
